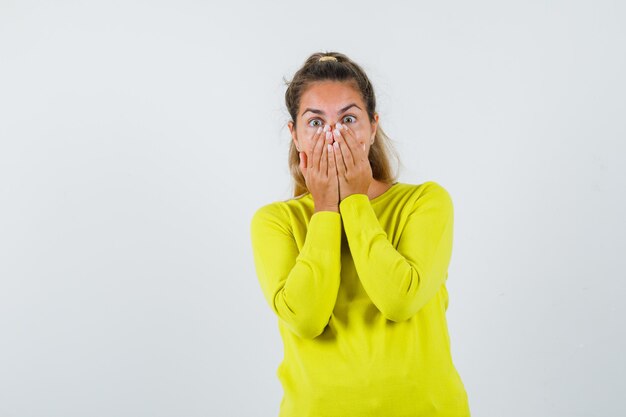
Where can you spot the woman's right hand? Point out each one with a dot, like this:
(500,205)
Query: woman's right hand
(320,171)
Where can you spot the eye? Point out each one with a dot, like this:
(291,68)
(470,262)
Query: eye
(315,125)
(352,117)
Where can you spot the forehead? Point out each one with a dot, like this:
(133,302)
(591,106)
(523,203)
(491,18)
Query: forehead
(330,93)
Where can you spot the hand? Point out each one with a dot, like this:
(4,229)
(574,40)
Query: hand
(320,172)
(353,166)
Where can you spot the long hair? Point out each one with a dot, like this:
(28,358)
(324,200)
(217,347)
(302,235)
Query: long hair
(343,69)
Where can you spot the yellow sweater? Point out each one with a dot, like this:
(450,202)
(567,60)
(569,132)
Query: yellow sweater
(361,302)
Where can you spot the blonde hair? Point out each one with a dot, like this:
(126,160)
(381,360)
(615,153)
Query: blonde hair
(340,69)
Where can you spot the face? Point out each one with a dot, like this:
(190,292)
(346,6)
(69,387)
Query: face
(330,102)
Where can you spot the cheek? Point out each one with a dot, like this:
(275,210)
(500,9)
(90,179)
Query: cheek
(360,132)
(307,137)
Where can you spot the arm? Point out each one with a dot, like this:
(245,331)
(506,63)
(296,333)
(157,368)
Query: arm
(400,282)
(300,287)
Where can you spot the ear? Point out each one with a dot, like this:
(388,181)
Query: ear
(374,125)
(292,130)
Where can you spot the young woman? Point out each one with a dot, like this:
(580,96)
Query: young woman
(355,265)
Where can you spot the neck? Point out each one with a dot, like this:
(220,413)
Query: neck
(377,188)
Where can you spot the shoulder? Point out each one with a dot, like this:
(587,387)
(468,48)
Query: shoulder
(430,194)
(285,214)
(270,215)
(434,188)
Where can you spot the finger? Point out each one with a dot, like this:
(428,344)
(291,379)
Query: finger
(332,165)
(324,161)
(349,133)
(313,140)
(357,148)
(317,152)
(341,167)
(349,154)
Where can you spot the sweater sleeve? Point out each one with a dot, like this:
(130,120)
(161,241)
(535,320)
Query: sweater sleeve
(300,286)
(401,281)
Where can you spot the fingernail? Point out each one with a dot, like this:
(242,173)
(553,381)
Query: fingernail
(319,129)
(326,128)
(338,125)
(328,135)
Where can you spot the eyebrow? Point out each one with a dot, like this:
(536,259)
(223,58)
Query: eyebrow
(338,113)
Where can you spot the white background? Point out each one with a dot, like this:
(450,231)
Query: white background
(137,138)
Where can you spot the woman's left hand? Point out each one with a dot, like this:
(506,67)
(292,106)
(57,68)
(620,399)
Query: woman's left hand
(353,166)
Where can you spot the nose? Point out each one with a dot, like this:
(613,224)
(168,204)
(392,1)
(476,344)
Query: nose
(330,126)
